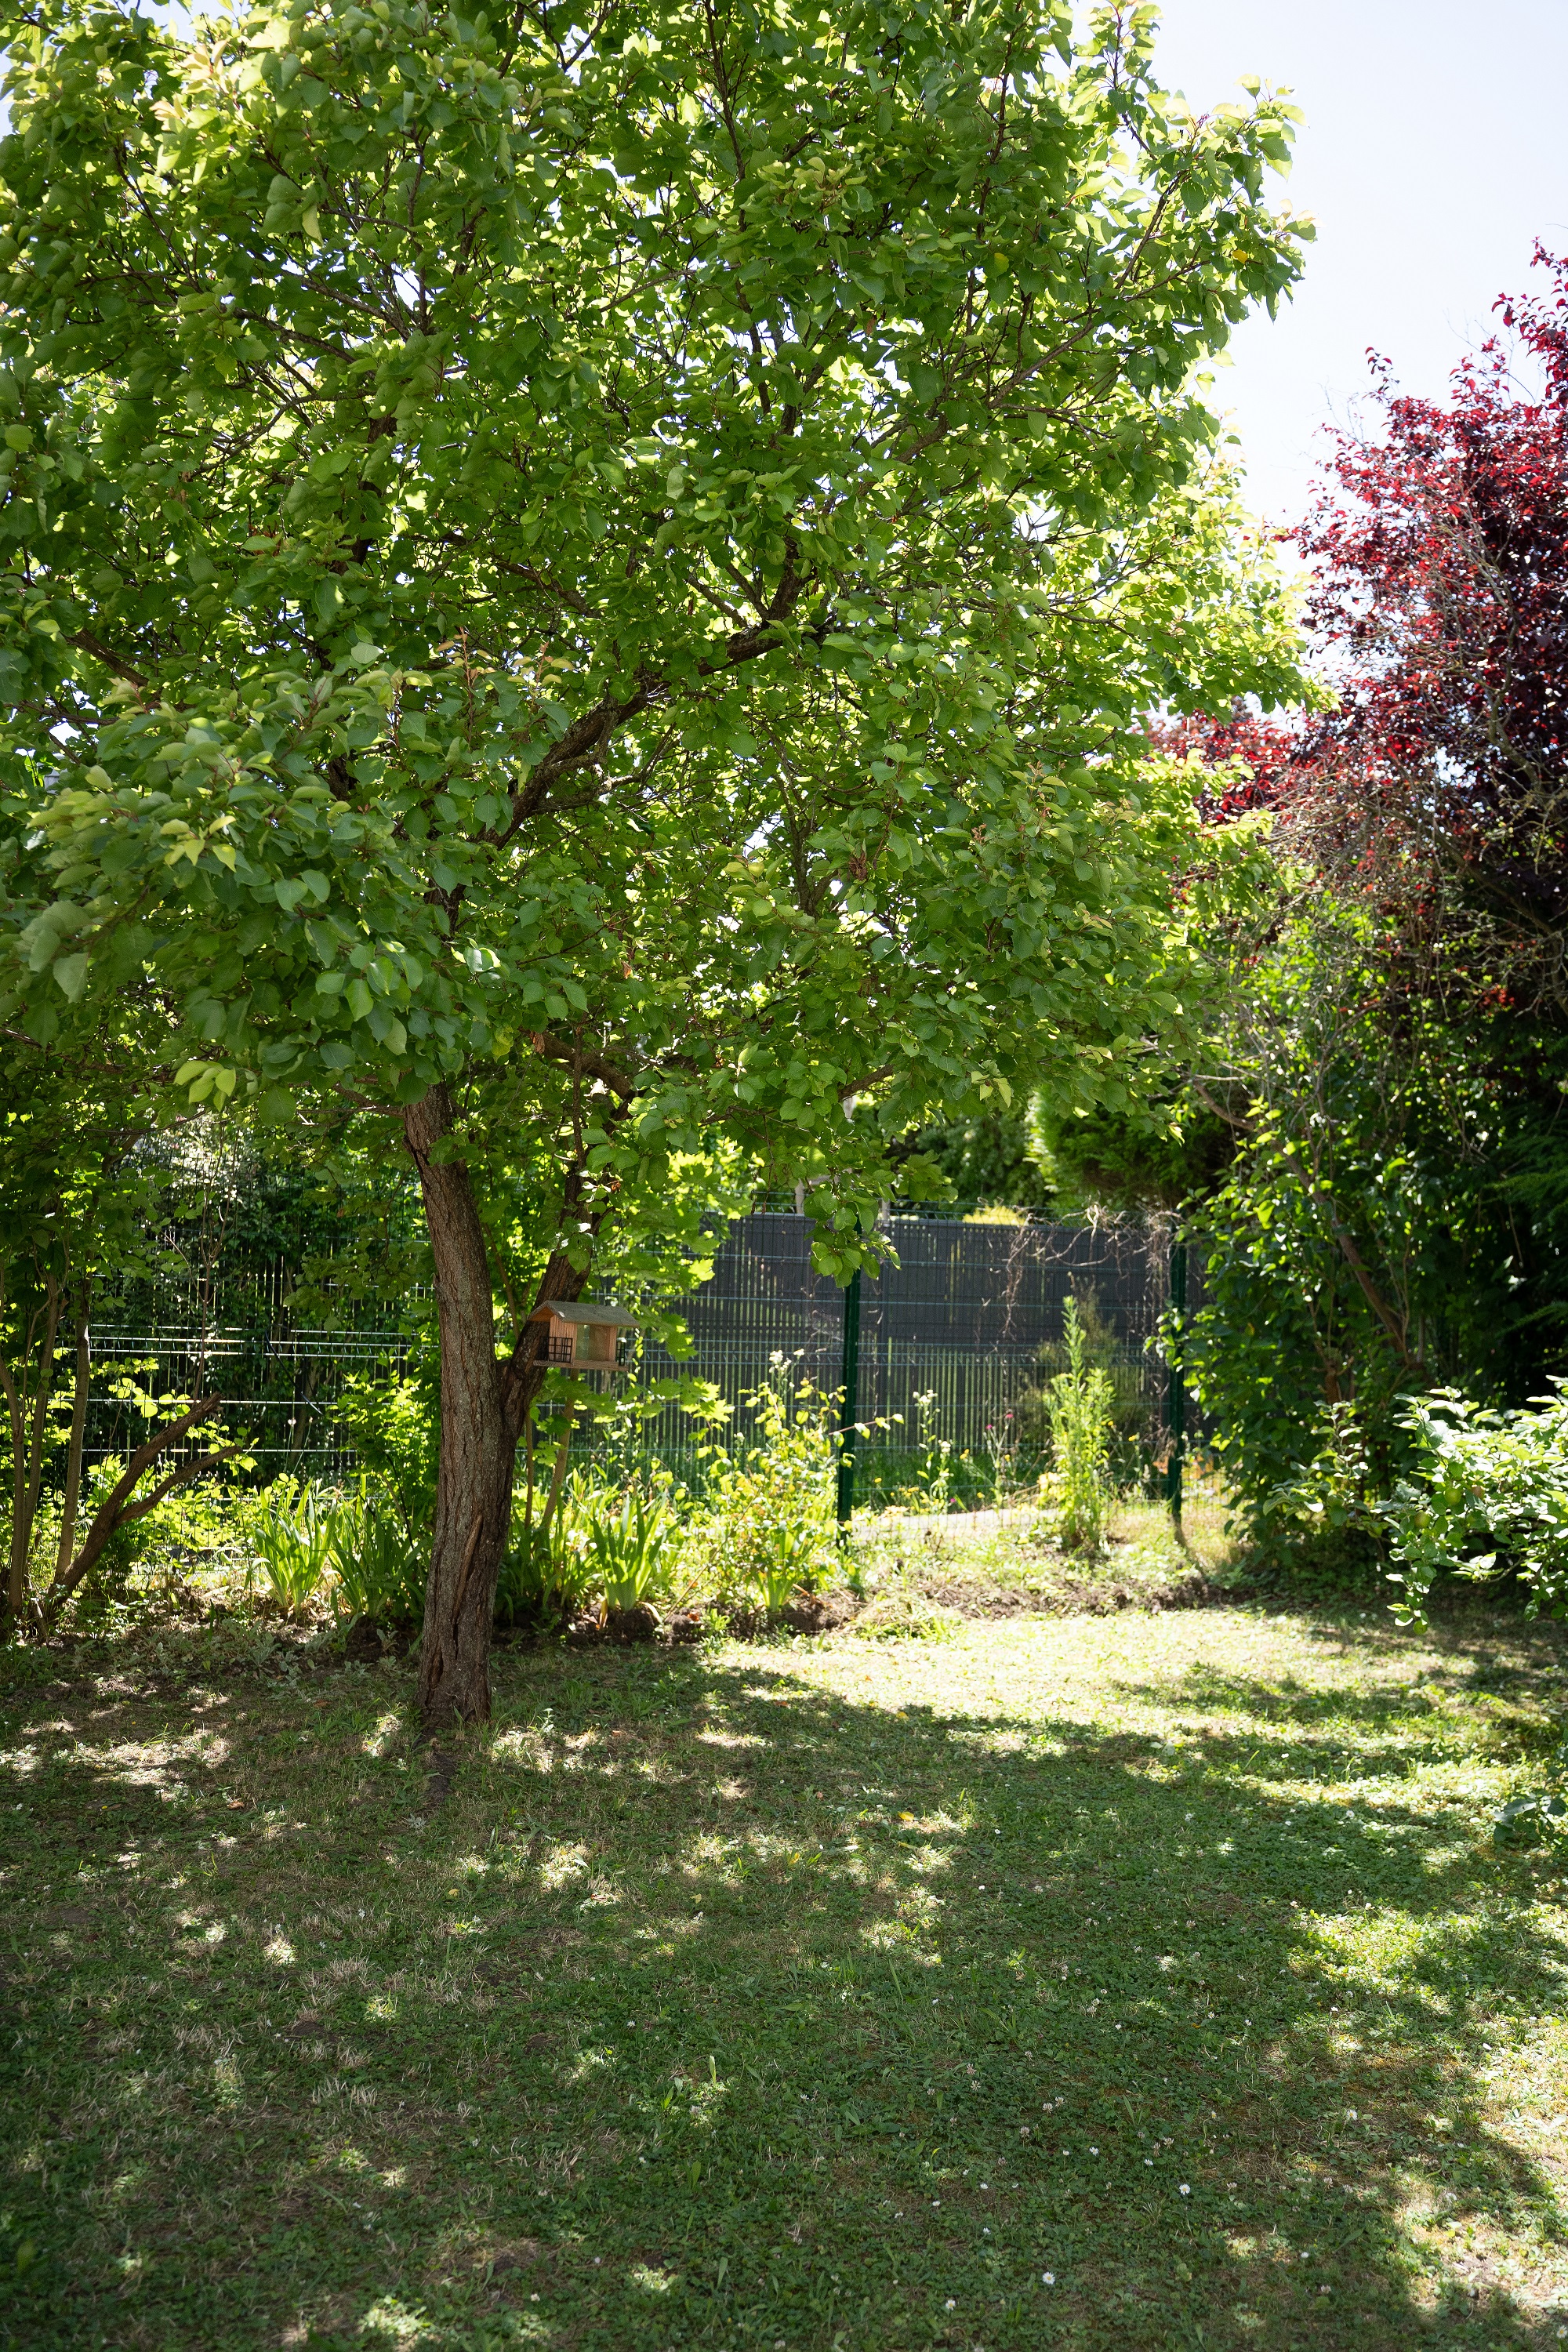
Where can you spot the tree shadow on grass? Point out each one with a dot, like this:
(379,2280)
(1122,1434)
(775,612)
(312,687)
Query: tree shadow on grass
(717,2008)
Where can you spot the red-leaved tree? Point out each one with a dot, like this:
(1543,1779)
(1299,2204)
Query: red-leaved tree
(1437,785)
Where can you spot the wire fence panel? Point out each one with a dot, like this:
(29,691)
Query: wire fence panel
(968,1319)
(229,1327)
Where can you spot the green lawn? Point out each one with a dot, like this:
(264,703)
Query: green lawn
(1140,1980)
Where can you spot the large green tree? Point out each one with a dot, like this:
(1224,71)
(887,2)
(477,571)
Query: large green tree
(592,590)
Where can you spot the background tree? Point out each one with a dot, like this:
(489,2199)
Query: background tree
(1389,1208)
(598,589)
(84,1192)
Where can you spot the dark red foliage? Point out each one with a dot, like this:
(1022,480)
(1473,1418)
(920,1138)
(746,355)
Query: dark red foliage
(1440,607)
(1272,748)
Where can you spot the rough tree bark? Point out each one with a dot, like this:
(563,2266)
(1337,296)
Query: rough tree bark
(485,1404)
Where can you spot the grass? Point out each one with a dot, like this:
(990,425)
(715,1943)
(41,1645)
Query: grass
(1117,1981)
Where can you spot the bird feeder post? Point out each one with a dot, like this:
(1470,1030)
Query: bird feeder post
(849,1401)
(1175,1383)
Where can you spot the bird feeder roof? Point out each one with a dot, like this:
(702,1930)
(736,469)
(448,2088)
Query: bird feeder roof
(583,1310)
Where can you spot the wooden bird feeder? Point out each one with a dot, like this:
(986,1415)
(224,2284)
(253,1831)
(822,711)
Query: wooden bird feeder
(581,1333)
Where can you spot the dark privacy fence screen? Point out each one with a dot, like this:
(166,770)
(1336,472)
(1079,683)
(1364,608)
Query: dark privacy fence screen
(970,1316)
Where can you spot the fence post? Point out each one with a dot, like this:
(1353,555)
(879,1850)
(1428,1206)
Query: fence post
(849,1403)
(1175,1383)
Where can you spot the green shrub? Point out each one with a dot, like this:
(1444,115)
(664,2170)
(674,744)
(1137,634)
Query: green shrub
(1322,1523)
(1486,1494)
(769,1530)
(395,1425)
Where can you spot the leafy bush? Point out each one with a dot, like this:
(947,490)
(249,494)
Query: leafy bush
(770,1531)
(1486,1492)
(395,1425)
(1080,1408)
(1324,1521)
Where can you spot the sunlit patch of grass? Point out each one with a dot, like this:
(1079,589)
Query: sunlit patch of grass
(907,1974)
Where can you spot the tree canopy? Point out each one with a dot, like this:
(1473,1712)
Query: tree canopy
(590,592)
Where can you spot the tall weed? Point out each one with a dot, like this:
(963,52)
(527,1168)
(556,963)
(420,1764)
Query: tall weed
(1080,1408)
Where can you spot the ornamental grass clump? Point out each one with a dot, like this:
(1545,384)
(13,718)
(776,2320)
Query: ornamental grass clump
(377,1572)
(290,1533)
(596,1549)
(633,1545)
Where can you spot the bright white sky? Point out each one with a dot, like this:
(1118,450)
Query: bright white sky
(1434,153)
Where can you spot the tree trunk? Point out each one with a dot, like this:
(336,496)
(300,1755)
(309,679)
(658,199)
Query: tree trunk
(486,1400)
(473,1485)
(23,1405)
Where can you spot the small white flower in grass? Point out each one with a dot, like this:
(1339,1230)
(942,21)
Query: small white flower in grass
(1094,2151)
(950,2305)
(1186,2190)
(1047,2278)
